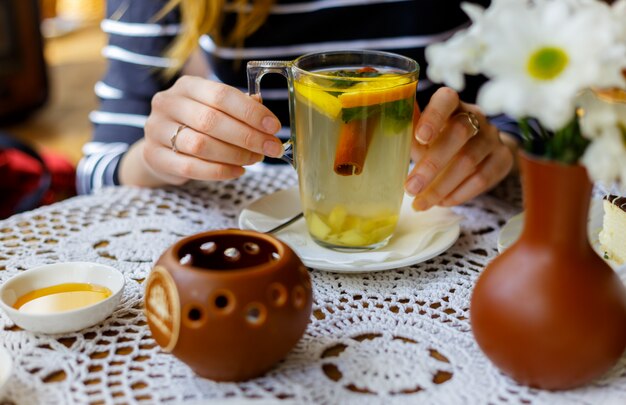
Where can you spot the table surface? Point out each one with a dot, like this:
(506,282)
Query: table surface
(398,336)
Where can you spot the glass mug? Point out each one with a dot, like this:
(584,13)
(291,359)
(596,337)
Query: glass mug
(351,127)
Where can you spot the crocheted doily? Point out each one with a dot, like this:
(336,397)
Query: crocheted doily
(400,336)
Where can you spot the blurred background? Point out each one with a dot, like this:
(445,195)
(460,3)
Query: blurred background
(71,45)
(49,63)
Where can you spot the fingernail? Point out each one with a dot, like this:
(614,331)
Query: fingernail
(414,186)
(234,172)
(424,134)
(240,172)
(256,158)
(420,204)
(271,125)
(273,149)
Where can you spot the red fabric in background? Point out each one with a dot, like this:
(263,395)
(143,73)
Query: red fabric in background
(20,175)
(63,184)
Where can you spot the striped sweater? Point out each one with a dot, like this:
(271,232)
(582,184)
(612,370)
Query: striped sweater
(136,47)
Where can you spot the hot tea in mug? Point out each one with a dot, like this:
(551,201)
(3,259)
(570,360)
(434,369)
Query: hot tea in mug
(351,128)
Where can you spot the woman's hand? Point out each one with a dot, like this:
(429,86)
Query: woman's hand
(454,162)
(219,129)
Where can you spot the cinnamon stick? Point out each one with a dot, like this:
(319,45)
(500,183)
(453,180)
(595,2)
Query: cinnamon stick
(352,146)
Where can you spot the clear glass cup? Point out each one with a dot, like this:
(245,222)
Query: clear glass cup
(352,117)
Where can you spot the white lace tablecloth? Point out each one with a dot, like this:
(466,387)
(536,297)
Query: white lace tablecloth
(400,336)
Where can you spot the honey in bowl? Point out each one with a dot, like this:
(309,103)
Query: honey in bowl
(61,298)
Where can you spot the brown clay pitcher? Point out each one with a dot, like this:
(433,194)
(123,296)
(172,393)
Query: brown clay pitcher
(228,303)
(549,311)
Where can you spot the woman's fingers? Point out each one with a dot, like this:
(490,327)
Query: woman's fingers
(211,146)
(223,130)
(435,157)
(458,184)
(218,124)
(460,168)
(434,118)
(489,173)
(230,101)
(454,145)
(176,168)
(194,143)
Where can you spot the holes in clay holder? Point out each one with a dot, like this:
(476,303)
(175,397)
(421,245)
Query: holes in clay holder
(222,301)
(193,315)
(232,254)
(277,294)
(251,248)
(275,256)
(208,247)
(255,314)
(299,297)
(186,260)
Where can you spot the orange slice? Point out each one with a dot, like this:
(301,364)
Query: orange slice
(365,97)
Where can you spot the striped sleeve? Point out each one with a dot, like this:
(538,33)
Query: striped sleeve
(135,63)
(530,133)
(507,124)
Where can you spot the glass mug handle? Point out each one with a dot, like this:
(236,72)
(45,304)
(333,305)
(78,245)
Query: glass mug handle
(256,70)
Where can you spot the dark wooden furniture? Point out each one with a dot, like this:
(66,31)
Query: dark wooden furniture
(23,79)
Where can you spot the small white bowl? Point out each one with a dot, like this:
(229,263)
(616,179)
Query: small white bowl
(60,273)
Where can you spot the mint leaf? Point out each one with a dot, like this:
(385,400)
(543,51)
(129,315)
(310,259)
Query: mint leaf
(344,84)
(397,115)
(359,113)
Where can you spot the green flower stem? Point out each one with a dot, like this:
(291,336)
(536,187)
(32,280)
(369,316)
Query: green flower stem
(527,136)
(565,145)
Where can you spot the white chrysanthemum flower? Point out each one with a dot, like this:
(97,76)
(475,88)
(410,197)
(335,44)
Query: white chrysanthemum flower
(601,111)
(605,158)
(461,54)
(603,120)
(540,57)
(449,61)
(614,59)
(619,12)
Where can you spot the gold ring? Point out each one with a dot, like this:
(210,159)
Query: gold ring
(175,135)
(473,121)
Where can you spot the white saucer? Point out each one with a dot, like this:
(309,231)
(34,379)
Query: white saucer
(274,209)
(512,229)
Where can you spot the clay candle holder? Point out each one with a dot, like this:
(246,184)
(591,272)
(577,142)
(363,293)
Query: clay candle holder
(228,303)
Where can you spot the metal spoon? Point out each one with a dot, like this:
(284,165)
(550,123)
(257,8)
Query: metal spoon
(285,224)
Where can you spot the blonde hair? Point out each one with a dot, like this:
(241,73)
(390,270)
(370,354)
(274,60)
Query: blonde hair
(201,17)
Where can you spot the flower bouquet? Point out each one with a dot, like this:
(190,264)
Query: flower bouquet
(549,311)
(546,61)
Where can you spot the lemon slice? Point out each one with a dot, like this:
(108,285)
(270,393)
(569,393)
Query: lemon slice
(337,218)
(353,237)
(323,102)
(317,226)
